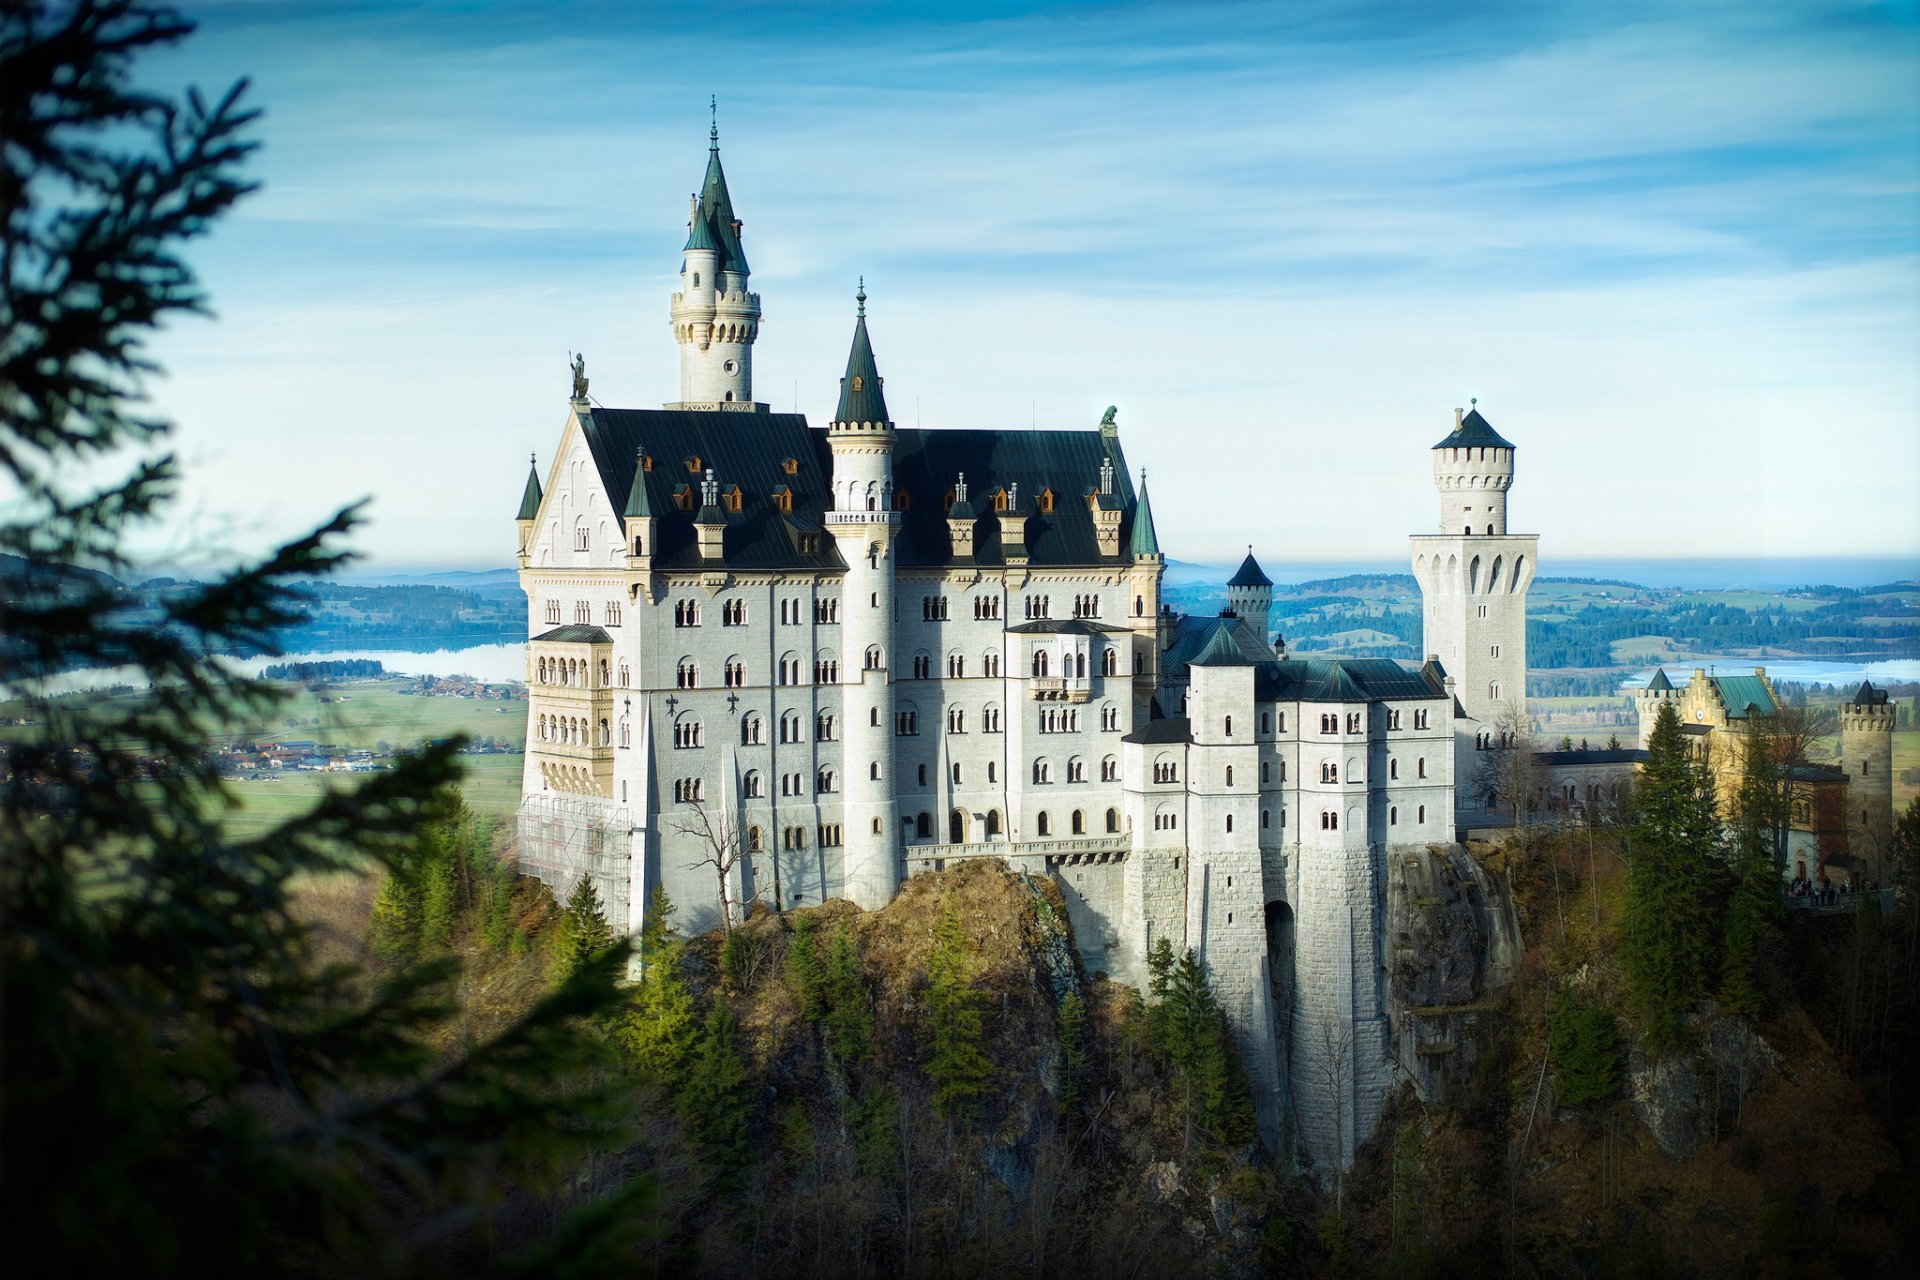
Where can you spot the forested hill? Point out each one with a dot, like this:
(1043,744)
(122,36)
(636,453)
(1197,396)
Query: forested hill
(1600,625)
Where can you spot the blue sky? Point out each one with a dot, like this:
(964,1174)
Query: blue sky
(1671,248)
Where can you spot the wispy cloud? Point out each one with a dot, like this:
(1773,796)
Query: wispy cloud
(1645,234)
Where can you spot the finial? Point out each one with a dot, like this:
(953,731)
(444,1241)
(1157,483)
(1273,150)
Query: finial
(861,297)
(533,460)
(1474,401)
(713,130)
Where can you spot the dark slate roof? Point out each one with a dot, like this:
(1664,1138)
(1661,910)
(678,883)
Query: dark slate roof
(576,633)
(530,496)
(1592,755)
(1474,432)
(1820,773)
(1740,693)
(926,461)
(1250,574)
(1868,696)
(715,208)
(1660,683)
(861,396)
(1063,627)
(1143,541)
(1301,679)
(1221,649)
(1174,729)
(747,449)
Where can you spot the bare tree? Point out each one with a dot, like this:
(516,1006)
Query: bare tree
(1333,1058)
(1792,738)
(1506,769)
(720,849)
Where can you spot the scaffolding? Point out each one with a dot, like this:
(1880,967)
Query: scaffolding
(563,838)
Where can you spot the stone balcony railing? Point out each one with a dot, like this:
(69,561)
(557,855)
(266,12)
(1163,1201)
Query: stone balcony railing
(1071,849)
(1059,689)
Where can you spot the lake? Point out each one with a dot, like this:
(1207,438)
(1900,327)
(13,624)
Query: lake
(1799,670)
(493,663)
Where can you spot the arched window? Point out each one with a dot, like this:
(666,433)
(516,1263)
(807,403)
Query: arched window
(756,841)
(993,822)
(1423,813)
(1110,661)
(1229,775)
(823,782)
(1229,824)
(1393,768)
(753,784)
(1227,727)
(923,826)
(1040,664)
(1079,823)
(873,771)
(1113,821)
(1044,824)
(688,674)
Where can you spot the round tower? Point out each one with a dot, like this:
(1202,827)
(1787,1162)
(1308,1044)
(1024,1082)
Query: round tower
(1250,595)
(865,529)
(715,317)
(1473,469)
(1473,578)
(1866,753)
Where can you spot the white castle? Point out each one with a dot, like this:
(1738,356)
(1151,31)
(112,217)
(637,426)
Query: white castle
(837,657)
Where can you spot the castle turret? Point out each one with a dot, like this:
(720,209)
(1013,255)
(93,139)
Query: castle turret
(637,517)
(1647,700)
(865,528)
(1473,578)
(530,499)
(715,317)
(1250,594)
(1866,752)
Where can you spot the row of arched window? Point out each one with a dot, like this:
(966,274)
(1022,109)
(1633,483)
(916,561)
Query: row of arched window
(575,731)
(574,672)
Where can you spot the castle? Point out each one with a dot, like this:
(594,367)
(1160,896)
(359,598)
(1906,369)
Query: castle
(773,661)
(1841,820)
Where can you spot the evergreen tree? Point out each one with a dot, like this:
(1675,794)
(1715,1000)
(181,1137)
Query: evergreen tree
(849,1020)
(1073,1051)
(583,932)
(439,890)
(188,1089)
(1904,855)
(393,931)
(716,1098)
(656,1034)
(1583,1048)
(805,973)
(1753,906)
(1669,929)
(1198,1045)
(955,1028)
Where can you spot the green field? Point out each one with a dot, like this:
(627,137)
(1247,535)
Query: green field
(363,715)
(491,787)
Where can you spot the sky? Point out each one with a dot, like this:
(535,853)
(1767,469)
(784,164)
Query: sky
(1673,250)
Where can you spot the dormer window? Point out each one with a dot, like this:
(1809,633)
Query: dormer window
(900,500)
(999,499)
(1046,500)
(858,382)
(783,499)
(683,497)
(791,466)
(734,500)
(693,464)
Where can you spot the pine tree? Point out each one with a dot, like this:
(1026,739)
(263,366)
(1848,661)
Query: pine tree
(393,931)
(1073,1051)
(657,1031)
(1583,1048)
(1199,1047)
(1669,928)
(1753,906)
(439,890)
(805,973)
(716,1098)
(955,1028)
(583,932)
(189,1088)
(849,1020)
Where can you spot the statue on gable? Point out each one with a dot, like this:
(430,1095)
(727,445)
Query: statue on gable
(579,376)
(1106,419)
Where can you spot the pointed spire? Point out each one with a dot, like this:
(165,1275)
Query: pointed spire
(638,507)
(531,495)
(1250,573)
(1145,542)
(861,399)
(715,208)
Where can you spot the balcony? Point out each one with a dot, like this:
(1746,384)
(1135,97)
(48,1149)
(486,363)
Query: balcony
(1059,689)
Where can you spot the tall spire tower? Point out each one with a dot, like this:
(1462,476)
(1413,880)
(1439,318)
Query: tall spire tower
(715,317)
(1473,578)
(866,529)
